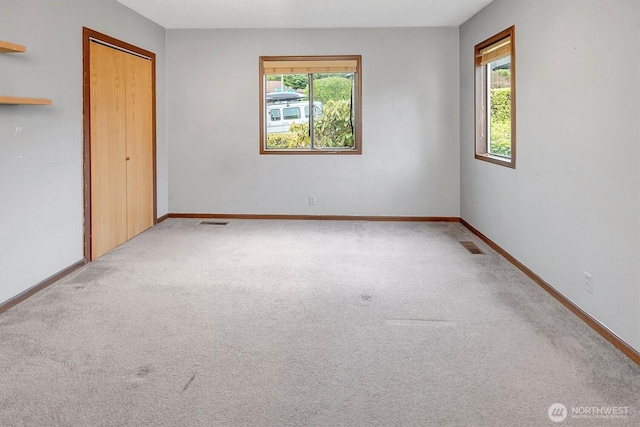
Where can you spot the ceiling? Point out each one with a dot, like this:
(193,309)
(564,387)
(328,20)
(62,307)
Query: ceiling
(306,13)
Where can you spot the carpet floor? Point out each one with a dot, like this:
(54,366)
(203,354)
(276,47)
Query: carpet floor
(295,323)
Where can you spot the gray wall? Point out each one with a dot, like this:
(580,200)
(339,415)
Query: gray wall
(572,203)
(41,199)
(409,164)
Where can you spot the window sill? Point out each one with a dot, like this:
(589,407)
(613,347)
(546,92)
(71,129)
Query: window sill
(311,152)
(502,161)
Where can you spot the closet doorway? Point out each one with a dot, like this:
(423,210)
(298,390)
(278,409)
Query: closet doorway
(119,142)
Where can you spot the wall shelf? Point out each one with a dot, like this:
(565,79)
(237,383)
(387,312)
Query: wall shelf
(6,47)
(12,100)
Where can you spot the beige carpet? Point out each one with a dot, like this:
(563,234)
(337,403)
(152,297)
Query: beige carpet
(292,323)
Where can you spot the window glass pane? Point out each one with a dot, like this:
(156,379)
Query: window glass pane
(291,113)
(499,105)
(285,100)
(274,113)
(334,121)
(317,110)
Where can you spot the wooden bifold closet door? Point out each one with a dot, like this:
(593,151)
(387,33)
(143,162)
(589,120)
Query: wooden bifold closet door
(121,147)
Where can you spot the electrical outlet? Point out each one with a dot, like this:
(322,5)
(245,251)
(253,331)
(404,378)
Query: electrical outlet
(312,200)
(588,282)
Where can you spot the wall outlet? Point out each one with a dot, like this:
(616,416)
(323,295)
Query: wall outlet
(312,200)
(588,282)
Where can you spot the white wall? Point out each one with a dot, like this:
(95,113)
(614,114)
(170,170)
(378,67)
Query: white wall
(573,202)
(41,198)
(409,164)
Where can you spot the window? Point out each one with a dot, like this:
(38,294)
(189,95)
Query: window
(292,113)
(495,99)
(292,86)
(316,111)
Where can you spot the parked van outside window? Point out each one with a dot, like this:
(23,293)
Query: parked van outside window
(281,114)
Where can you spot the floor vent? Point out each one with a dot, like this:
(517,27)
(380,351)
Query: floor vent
(471,247)
(213,223)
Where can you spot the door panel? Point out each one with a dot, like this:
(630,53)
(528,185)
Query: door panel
(121,147)
(139,136)
(108,149)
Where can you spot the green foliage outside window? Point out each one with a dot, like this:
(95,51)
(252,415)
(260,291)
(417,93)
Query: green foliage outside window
(500,78)
(296,81)
(291,81)
(500,131)
(283,140)
(333,128)
(334,88)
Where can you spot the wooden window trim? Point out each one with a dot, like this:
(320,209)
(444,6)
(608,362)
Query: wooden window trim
(480,118)
(343,61)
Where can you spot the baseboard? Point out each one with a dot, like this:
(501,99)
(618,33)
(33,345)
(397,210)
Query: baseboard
(162,218)
(40,286)
(318,217)
(593,323)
